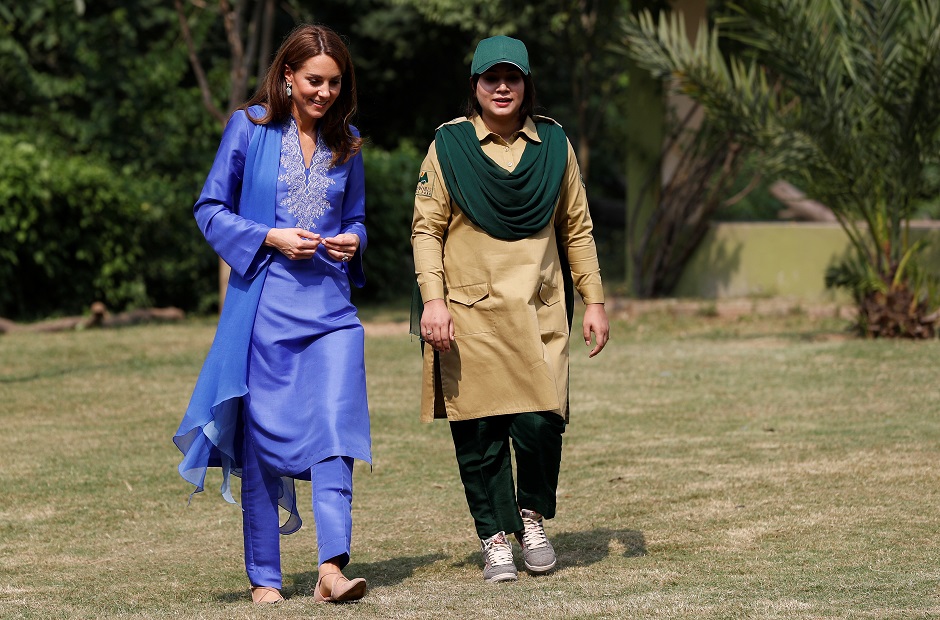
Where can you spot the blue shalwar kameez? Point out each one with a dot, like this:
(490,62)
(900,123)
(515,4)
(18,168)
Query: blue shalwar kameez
(282,393)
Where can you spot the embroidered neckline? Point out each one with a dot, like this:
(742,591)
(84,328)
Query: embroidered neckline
(306,189)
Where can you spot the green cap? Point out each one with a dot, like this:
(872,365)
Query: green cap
(499,49)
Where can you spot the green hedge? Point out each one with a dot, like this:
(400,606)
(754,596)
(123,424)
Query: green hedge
(391,177)
(71,233)
(76,231)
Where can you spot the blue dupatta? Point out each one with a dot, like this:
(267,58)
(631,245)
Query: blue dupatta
(208,435)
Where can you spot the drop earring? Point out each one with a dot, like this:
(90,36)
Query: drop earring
(288,89)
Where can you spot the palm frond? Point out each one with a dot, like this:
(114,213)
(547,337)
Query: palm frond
(842,94)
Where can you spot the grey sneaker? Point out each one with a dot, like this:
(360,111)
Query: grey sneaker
(497,559)
(538,553)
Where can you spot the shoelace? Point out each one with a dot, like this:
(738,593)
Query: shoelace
(533,536)
(498,552)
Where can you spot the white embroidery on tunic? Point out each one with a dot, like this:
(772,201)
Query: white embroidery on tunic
(306,193)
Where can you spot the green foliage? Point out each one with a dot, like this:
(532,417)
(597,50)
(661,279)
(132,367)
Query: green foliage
(71,233)
(103,97)
(902,307)
(843,97)
(181,269)
(109,84)
(579,81)
(485,17)
(756,204)
(411,74)
(391,177)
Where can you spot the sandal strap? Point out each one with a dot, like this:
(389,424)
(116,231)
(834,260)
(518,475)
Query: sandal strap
(265,594)
(336,575)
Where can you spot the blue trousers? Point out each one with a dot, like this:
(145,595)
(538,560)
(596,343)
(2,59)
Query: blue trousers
(331,480)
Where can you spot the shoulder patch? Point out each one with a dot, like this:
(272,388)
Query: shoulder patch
(426,182)
(544,119)
(459,119)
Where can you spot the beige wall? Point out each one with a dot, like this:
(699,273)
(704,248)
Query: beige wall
(775,259)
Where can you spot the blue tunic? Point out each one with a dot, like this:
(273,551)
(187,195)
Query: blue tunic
(287,362)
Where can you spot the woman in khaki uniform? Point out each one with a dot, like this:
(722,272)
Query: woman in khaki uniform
(501,238)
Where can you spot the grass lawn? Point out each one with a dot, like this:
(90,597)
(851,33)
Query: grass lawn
(714,468)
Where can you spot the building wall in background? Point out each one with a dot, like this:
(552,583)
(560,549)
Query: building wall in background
(764,259)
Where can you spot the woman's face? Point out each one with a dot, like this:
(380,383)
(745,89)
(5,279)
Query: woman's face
(315,86)
(499,92)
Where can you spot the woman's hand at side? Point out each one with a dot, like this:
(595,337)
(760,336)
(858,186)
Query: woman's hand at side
(294,243)
(437,326)
(595,320)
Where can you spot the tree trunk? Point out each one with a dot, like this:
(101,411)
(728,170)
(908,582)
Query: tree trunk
(249,50)
(896,314)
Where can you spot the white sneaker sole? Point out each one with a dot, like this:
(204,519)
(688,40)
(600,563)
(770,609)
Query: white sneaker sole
(502,577)
(540,570)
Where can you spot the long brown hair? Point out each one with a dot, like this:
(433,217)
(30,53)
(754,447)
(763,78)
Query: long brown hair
(303,43)
(526,109)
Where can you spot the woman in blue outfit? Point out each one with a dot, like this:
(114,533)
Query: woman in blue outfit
(282,393)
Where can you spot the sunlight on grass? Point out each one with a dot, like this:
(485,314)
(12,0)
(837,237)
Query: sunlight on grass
(714,468)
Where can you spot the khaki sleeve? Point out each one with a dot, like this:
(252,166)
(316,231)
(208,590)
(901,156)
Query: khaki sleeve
(428,227)
(575,229)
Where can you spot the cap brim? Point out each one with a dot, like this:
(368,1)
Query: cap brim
(489,66)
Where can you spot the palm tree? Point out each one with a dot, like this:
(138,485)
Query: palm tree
(842,96)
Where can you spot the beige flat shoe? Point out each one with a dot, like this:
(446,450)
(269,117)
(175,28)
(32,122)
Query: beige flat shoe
(263,595)
(340,590)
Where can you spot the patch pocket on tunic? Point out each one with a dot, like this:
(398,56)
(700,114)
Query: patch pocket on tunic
(470,306)
(551,314)
(550,295)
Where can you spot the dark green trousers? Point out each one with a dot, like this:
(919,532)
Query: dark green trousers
(483,456)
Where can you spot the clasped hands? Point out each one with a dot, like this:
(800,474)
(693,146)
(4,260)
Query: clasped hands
(300,244)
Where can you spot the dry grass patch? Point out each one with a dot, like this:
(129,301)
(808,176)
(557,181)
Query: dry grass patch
(718,465)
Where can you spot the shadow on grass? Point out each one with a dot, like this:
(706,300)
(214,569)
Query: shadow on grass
(384,573)
(574,549)
(577,549)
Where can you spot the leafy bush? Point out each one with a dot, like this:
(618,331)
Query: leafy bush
(180,268)
(76,231)
(843,97)
(391,177)
(71,233)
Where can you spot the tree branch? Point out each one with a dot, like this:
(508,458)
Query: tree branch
(231,17)
(197,66)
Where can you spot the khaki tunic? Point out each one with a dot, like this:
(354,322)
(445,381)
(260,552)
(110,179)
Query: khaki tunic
(510,350)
